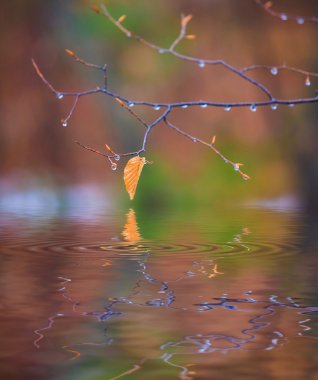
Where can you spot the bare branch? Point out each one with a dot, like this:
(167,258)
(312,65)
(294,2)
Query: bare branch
(268,7)
(103,68)
(236,165)
(167,108)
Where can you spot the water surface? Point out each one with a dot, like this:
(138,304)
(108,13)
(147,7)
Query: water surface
(225,293)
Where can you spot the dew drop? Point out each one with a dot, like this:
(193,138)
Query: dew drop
(131,104)
(117,157)
(194,140)
(236,167)
(59,96)
(203,105)
(274,106)
(274,70)
(157,108)
(184,106)
(114,166)
(64,123)
(291,105)
(300,20)
(253,108)
(227,108)
(307,82)
(284,17)
(161,51)
(201,64)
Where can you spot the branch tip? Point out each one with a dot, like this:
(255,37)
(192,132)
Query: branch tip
(95,9)
(185,20)
(70,53)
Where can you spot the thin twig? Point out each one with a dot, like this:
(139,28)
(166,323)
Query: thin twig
(201,62)
(267,7)
(90,65)
(236,165)
(168,107)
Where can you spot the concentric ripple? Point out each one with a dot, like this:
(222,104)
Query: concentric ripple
(122,248)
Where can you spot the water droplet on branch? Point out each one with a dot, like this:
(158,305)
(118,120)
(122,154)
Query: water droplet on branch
(253,108)
(201,64)
(59,96)
(274,106)
(274,70)
(64,123)
(157,108)
(161,51)
(114,166)
(203,105)
(300,20)
(117,157)
(131,104)
(184,106)
(284,17)
(307,81)
(227,108)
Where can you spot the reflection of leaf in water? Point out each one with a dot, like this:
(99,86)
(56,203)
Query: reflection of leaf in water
(131,230)
(132,173)
(106,263)
(214,271)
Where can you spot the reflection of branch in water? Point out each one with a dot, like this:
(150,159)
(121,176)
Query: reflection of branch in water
(38,331)
(197,344)
(52,318)
(184,370)
(77,354)
(135,368)
(209,343)
(66,294)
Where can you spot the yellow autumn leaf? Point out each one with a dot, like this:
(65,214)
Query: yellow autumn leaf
(132,173)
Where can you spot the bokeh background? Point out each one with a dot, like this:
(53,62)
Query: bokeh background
(278,148)
(267,252)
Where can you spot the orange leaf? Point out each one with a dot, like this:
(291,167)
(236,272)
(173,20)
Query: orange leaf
(132,173)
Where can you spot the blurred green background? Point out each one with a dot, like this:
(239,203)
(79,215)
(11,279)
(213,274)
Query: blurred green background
(278,148)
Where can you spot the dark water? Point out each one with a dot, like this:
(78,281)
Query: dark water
(216,294)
